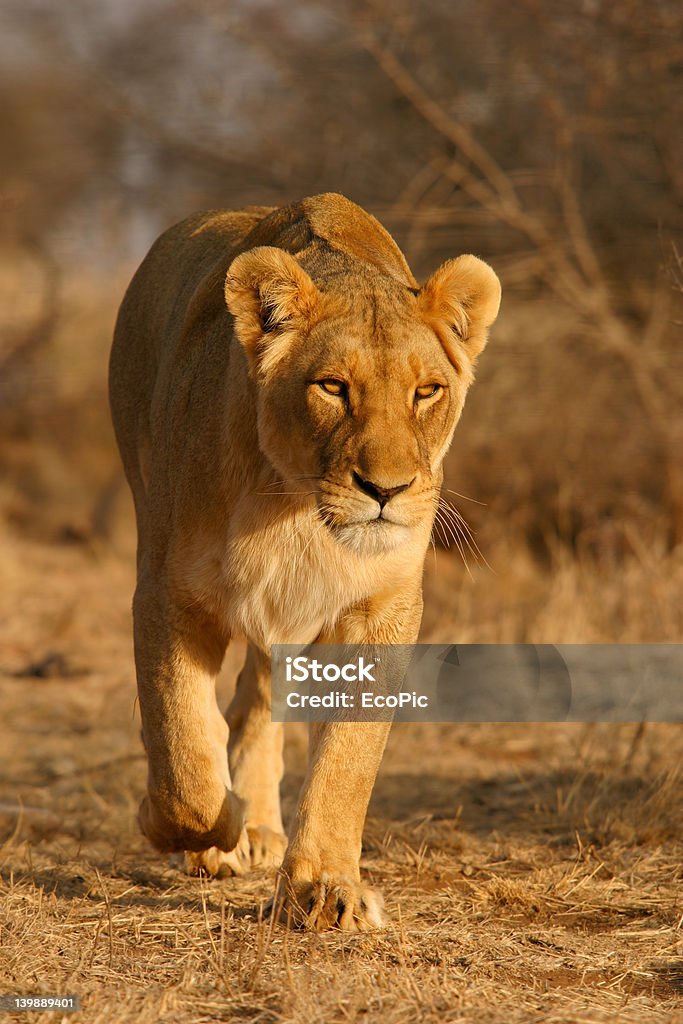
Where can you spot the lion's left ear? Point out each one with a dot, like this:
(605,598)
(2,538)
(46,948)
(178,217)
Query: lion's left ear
(269,295)
(464,295)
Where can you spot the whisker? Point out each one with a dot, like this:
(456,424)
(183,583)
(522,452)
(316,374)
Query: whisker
(452,531)
(283,494)
(469,535)
(458,523)
(466,497)
(292,510)
(317,527)
(465,531)
(282,483)
(462,525)
(453,528)
(439,529)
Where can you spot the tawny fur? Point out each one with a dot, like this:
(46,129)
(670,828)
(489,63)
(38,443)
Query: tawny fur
(251,521)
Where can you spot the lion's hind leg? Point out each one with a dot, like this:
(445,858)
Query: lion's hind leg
(256,764)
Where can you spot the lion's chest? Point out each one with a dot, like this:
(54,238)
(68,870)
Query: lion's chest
(286,582)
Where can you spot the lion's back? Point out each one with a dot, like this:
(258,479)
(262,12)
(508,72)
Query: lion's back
(174,267)
(153,311)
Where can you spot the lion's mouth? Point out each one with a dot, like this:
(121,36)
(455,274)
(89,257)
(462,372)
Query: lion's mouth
(364,526)
(367,535)
(338,519)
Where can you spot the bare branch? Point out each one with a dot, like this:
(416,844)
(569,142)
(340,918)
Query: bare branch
(456,133)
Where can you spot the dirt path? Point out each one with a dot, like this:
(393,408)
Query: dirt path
(530,872)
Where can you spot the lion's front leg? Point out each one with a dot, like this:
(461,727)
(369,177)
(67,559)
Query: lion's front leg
(189,803)
(319,885)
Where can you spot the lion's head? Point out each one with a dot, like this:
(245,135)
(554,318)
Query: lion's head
(360,379)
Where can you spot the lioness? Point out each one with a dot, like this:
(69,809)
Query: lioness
(283,395)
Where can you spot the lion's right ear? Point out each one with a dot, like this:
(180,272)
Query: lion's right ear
(269,295)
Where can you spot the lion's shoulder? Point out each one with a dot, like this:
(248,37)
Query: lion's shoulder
(349,227)
(327,222)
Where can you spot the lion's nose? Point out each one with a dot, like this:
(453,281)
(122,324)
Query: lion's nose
(379,493)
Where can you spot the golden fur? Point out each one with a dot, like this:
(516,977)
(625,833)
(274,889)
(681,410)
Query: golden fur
(285,472)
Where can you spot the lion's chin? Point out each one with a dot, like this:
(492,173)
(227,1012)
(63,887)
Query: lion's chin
(375,537)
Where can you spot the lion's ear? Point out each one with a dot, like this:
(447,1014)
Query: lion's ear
(464,295)
(269,295)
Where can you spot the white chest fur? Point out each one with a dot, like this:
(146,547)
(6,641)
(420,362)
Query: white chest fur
(277,574)
(287,578)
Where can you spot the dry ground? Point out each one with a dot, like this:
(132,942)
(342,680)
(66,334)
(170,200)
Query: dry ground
(531,873)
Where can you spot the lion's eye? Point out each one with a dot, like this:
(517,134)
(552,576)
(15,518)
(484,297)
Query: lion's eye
(333,387)
(426,391)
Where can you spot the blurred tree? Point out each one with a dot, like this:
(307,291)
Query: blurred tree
(543,136)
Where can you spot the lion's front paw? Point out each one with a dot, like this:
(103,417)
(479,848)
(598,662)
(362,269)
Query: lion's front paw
(329,903)
(172,825)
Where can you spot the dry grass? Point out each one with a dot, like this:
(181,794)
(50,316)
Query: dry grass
(531,873)
(574,599)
